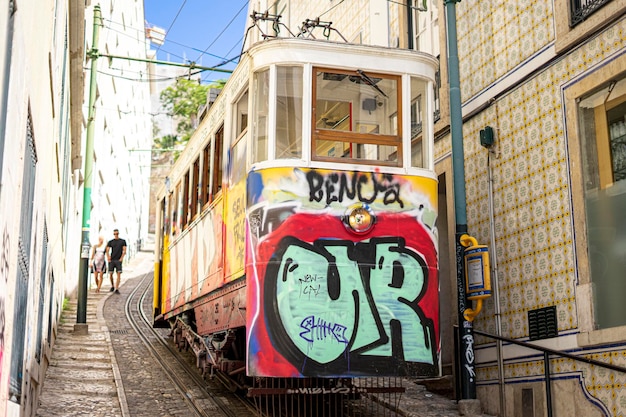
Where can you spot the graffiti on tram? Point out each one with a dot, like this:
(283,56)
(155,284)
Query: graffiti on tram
(326,302)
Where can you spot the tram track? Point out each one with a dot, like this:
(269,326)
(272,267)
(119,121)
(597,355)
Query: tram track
(201,399)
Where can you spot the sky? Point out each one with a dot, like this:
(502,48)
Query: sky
(207,32)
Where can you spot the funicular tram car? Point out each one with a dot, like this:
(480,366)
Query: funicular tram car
(296,236)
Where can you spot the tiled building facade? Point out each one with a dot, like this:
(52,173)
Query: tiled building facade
(548,76)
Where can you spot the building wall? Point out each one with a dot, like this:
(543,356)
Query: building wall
(123,125)
(41,179)
(36,107)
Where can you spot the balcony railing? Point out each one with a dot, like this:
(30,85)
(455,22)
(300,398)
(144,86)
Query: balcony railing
(581,9)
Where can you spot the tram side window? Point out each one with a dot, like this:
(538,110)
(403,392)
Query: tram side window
(238,151)
(206,169)
(289,113)
(212,168)
(176,211)
(165,220)
(216,175)
(418,150)
(356,117)
(261,85)
(171,210)
(241,114)
(185,202)
(194,189)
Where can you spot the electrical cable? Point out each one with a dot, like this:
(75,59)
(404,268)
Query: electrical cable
(180,9)
(245,4)
(331,8)
(148,79)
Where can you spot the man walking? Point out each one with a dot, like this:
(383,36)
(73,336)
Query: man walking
(116,250)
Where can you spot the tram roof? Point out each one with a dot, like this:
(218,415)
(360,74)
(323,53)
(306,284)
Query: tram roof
(322,52)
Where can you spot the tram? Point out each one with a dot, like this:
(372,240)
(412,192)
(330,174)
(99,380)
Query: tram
(296,235)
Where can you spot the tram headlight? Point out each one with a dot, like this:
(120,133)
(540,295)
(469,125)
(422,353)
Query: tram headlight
(359,218)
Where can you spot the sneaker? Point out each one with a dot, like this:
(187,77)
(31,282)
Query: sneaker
(117,291)
(112,289)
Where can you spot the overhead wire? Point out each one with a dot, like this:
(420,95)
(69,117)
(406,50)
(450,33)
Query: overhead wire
(224,60)
(205,51)
(149,80)
(245,4)
(331,8)
(180,9)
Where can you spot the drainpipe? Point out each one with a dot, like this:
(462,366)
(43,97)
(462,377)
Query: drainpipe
(5,79)
(409,24)
(493,260)
(466,332)
(85,246)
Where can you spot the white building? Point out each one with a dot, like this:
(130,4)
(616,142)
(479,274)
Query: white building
(123,125)
(42,119)
(38,191)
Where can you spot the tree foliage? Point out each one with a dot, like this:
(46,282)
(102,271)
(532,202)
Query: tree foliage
(182,101)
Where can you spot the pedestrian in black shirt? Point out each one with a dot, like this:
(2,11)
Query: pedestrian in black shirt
(116,250)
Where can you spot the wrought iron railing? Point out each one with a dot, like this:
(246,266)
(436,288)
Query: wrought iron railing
(547,352)
(581,9)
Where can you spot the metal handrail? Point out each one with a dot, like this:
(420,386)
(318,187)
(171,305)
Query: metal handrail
(546,361)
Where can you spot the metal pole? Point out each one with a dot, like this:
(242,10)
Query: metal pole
(85,246)
(546,367)
(466,336)
(409,24)
(496,290)
(5,72)
(191,66)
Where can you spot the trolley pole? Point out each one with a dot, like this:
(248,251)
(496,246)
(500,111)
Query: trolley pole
(85,246)
(466,332)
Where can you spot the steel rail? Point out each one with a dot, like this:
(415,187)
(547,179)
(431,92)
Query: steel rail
(177,383)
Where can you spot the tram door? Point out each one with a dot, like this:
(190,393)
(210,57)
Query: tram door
(158,284)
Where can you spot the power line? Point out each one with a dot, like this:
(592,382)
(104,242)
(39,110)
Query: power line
(149,80)
(180,9)
(223,60)
(174,64)
(245,4)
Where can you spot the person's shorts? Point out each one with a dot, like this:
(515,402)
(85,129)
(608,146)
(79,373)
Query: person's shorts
(115,265)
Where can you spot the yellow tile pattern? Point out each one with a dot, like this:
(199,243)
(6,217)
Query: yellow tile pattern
(496,36)
(533,212)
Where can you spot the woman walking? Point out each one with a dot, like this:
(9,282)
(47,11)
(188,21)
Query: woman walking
(98,263)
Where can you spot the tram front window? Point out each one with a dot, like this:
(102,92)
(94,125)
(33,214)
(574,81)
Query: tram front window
(355,117)
(289,113)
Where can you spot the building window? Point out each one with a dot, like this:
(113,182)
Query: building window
(581,9)
(586,17)
(24,241)
(602,132)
